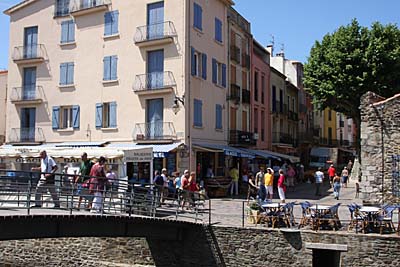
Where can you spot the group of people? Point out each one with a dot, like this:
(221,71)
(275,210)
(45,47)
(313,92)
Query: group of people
(89,183)
(337,181)
(183,187)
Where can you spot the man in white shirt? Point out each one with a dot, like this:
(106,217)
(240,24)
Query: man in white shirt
(164,175)
(46,182)
(319,178)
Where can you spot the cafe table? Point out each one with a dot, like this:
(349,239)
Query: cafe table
(370,214)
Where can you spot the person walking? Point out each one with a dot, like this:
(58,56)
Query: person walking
(234,174)
(331,174)
(97,187)
(260,183)
(345,177)
(281,186)
(290,176)
(336,186)
(319,178)
(82,180)
(269,183)
(47,167)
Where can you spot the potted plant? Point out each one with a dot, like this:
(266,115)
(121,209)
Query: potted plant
(253,215)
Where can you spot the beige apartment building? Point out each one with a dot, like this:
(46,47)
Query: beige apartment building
(120,73)
(3,102)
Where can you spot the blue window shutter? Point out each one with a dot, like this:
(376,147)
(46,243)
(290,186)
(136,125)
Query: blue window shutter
(107,68)
(64,32)
(204,66)
(114,68)
(193,62)
(196,113)
(218,116)
(99,115)
(113,114)
(200,18)
(218,30)
(107,23)
(195,15)
(214,71)
(63,73)
(200,113)
(224,75)
(71,31)
(70,73)
(75,117)
(114,27)
(55,118)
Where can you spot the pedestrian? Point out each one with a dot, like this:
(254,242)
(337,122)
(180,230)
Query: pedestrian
(112,180)
(158,181)
(193,188)
(66,185)
(234,174)
(336,186)
(350,166)
(48,167)
(260,183)
(98,185)
(319,178)
(269,183)
(345,177)
(164,194)
(281,186)
(290,176)
(331,174)
(252,187)
(185,188)
(82,181)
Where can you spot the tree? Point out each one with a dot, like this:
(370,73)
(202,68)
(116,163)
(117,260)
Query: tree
(351,61)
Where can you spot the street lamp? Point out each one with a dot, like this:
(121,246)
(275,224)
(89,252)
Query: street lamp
(176,107)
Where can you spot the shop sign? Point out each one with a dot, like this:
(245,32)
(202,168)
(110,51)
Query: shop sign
(27,160)
(139,155)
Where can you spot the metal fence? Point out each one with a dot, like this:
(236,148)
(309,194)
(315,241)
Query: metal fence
(27,191)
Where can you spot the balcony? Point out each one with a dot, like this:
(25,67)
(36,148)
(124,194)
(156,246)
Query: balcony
(28,94)
(26,136)
(161,132)
(32,54)
(234,92)
(283,138)
(241,138)
(306,137)
(245,61)
(155,34)
(246,96)
(154,83)
(83,7)
(235,53)
(293,116)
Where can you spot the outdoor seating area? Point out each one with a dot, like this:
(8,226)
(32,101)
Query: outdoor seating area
(320,217)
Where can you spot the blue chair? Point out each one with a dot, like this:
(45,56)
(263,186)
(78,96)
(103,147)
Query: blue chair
(385,220)
(306,217)
(356,218)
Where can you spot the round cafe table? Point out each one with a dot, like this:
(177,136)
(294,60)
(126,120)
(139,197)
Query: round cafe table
(370,214)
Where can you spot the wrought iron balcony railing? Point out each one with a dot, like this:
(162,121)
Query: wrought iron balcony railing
(246,96)
(153,131)
(241,138)
(234,92)
(86,6)
(283,138)
(153,32)
(235,53)
(26,135)
(29,93)
(30,53)
(154,81)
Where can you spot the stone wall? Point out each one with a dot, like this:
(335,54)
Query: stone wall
(237,246)
(380,140)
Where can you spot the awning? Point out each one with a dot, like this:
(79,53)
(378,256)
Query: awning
(292,159)
(81,144)
(320,151)
(265,154)
(159,150)
(228,150)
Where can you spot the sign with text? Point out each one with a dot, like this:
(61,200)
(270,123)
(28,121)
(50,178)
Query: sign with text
(138,155)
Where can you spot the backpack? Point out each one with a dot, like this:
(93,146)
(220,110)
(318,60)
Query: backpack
(159,180)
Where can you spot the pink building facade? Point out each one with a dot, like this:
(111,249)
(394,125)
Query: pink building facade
(261,97)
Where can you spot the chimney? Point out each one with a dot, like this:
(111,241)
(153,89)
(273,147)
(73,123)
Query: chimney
(270,49)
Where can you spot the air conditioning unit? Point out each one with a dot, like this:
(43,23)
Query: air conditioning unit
(255,136)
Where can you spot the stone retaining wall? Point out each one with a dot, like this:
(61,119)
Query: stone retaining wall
(239,247)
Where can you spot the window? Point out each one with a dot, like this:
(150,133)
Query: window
(262,125)
(62,8)
(218,73)
(106,115)
(256,86)
(110,68)
(218,116)
(274,109)
(198,17)
(218,30)
(262,88)
(329,115)
(67,31)
(67,73)
(66,117)
(111,23)
(255,120)
(198,110)
(199,64)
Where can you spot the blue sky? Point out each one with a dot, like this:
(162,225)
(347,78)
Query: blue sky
(294,24)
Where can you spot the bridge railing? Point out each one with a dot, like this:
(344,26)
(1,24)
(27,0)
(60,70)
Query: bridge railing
(81,194)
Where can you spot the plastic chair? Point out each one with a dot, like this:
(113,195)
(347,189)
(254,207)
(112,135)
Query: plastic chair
(306,214)
(355,217)
(386,219)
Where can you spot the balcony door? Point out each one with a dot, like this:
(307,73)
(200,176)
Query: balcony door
(155,118)
(28,121)
(30,42)
(155,20)
(88,3)
(29,85)
(155,69)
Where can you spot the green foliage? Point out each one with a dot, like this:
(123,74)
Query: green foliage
(351,61)
(254,205)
